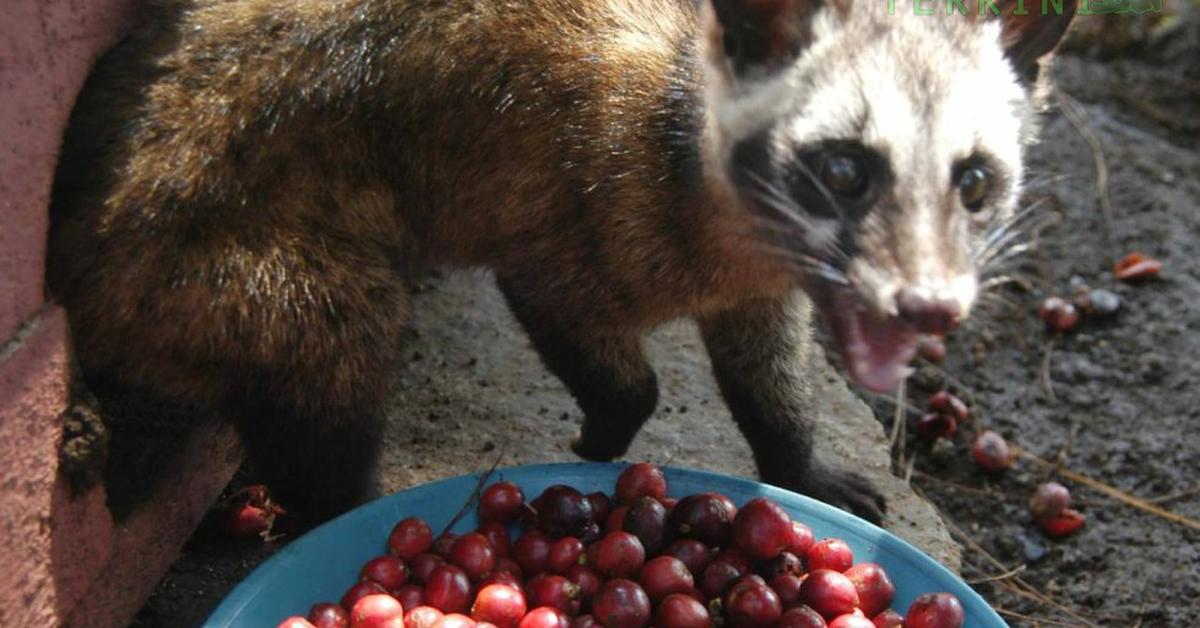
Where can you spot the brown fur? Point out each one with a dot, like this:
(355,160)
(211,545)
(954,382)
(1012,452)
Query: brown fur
(244,183)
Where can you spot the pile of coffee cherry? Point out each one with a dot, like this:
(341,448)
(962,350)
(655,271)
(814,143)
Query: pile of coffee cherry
(635,559)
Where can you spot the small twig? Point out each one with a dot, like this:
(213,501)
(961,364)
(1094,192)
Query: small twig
(1036,621)
(1060,459)
(891,401)
(955,485)
(1166,499)
(1015,571)
(1044,373)
(474,496)
(1113,492)
(1073,112)
(899,422)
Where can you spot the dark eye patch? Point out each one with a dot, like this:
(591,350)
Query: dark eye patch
(838,178)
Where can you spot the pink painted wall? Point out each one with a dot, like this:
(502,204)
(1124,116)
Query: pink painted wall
(46,50)
(63,561)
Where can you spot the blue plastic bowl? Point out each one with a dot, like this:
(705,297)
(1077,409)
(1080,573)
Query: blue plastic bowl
(322,564)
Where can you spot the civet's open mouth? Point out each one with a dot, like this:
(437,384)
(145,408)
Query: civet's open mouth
(875,346)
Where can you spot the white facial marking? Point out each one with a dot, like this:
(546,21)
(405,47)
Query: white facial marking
(925,92)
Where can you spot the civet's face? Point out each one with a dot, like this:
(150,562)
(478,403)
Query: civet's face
(877,153)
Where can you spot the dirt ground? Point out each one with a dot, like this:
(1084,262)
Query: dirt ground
(1125,405)
(1116,401)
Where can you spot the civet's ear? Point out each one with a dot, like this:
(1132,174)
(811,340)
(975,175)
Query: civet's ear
(762,34)
(1029,33)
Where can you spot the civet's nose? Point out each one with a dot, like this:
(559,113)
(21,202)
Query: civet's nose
(928,314)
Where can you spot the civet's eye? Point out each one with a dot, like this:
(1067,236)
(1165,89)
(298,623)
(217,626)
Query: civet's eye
(974,183)
(844,175)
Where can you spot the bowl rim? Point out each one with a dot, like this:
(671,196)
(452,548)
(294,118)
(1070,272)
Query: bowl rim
(242,595)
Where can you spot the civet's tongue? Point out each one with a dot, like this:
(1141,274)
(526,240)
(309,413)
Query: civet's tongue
(876,348)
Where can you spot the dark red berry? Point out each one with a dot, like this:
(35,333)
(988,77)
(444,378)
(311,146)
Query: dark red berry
(379,610)
(640,480)
(360,590)
(247,520)
(389,572)
(704,517)
(830,554)
(564,554)
(787,587)
(553,590)
(410,537)
(802,539)
(455,620)
(646,519)
(564,511)
(545,617)
(851,621)
(935,610)
(601,506)
(829,593)
(762,529)
(532,552)
(735,557)
(621,603)
(1049,500)
(750,603)
(588,582)
(422,565)
(328,615)
(717,578)
(991,452)
(617,555)
(888,619)
(584,621)
(497,535)
(874,587)
(784,563)
(1059,314)
(615,519)
(410,595)
(499,604)
(473,553)
(1067,522)
(501,502)
(422,617)
(448,589)
(443,544)
(945,403)
(501,577)
(693,553)
(663,576)
(681,611)
(801,617)
(509,565)
(934,425)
